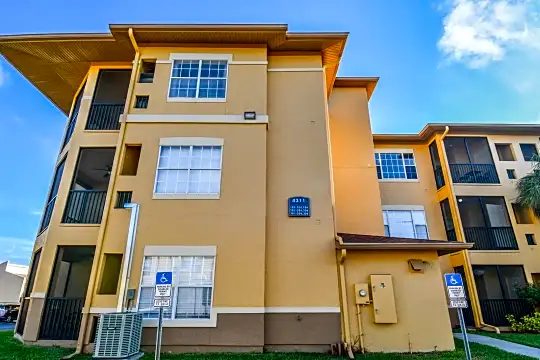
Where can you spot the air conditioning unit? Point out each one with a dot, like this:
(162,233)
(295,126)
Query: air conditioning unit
(118,336)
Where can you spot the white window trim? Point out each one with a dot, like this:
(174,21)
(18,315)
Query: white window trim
(402,151)
(188,141)
(181,251)
(407,208)
(202,57)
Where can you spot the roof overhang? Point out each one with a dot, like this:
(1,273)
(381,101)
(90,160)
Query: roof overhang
(426,134)
(57,63)
(369,83)
(367,242)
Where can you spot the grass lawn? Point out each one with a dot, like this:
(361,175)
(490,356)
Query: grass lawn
(11,349)
(523,339)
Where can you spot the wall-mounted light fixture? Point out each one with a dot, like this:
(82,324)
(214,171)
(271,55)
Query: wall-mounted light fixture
(250,115)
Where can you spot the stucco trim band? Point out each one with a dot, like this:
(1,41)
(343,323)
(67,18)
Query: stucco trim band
(38,295)
(199,56)
(181,118)
(403,207)
(295,69)
(185,197)
(152,250)
(100,310)
(198,141)
(239,62)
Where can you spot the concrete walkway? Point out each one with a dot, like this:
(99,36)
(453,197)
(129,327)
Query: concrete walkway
(503,345)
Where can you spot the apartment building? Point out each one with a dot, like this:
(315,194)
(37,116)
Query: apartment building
(234,156)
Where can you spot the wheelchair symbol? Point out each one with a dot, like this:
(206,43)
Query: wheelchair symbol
(163,279)
(453,281)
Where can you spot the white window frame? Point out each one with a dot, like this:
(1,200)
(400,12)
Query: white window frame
(179,251)
(408,208)
(398,151)
(200,57)
(188,141)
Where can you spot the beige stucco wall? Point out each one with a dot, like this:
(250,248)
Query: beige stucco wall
(356,188)
(423,322)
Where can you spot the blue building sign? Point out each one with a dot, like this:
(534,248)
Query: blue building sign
(299,206)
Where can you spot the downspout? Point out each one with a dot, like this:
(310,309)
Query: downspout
(108,201)
(346,336)
(128,255)
(468,268)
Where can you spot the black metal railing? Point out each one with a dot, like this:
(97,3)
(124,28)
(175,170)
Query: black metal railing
(104,117)
(491,238)
(494,312)
(451,235)
(474,174)
(47,214)
(439,177)
(21,318)
(61,318)
(84,207)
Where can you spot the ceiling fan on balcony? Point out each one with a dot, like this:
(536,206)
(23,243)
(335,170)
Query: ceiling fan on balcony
(107,169)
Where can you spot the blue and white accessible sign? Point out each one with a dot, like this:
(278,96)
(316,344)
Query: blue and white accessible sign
(163,290)
(456,291)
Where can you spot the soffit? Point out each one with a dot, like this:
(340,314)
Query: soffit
(57,63)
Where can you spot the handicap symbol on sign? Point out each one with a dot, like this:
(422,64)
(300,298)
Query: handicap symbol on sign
(453,280)
(164,277)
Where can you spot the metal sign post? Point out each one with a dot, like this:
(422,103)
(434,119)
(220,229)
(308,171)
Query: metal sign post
(162,298)
(456,294)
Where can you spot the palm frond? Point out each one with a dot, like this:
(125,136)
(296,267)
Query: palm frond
(528,188)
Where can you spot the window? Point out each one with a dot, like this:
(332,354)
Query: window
(49,207)
(189,170)
(530,239)
(511,173)
(201,79)
(111,274)
(405,223)
(529,151)
(122,198)
(148,68)
(395,166)
(141,101)
(522,214)
(193,279)
(131,160)
(505,153)
(448,220)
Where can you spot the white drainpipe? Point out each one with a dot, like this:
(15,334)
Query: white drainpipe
(128,255)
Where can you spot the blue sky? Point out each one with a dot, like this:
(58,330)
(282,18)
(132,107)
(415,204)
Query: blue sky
(438,60)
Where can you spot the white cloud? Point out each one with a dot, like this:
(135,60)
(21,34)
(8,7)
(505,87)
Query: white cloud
(36,212)
(478,32)
(16,250)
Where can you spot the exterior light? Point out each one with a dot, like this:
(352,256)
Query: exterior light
(250,115)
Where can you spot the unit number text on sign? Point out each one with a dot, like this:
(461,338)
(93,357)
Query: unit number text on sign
(299,206)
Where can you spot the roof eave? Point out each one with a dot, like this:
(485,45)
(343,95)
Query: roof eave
(442,249)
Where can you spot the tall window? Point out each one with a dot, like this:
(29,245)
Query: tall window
(405,223)
(395,165)
(193,279)
(203,79)
(49,207)
(189,170)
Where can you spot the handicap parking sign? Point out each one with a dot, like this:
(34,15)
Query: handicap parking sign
(164,278)
(453,280)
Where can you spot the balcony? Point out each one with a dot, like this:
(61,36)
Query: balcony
(491,238)
(84,207)
(470,160)
(86,199)
(109,100)
(104,116)
(474,174)
(495,311)
(61,318)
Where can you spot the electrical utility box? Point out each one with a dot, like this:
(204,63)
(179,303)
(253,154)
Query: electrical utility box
(384,303)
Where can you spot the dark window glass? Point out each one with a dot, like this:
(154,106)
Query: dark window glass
(529,151)
(530,239)
(511,174)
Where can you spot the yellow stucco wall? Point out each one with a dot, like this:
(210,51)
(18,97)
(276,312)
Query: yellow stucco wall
(423,322)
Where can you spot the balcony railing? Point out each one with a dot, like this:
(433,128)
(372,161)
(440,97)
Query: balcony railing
(47,214)
(61,318)
(494,311)
(439,178)
(84,207)
(491,238)
(474,174)
(104,117)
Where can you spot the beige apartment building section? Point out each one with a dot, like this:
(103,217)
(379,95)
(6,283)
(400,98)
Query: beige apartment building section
(271,281)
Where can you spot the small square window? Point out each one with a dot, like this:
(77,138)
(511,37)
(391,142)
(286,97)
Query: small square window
(141,101)
(511,174)
(530,239)
(505,153)
(529,151)
(148,68)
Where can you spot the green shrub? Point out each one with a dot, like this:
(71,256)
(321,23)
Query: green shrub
(528,323)
(531,293)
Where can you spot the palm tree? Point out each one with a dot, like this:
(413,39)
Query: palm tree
(528,188)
